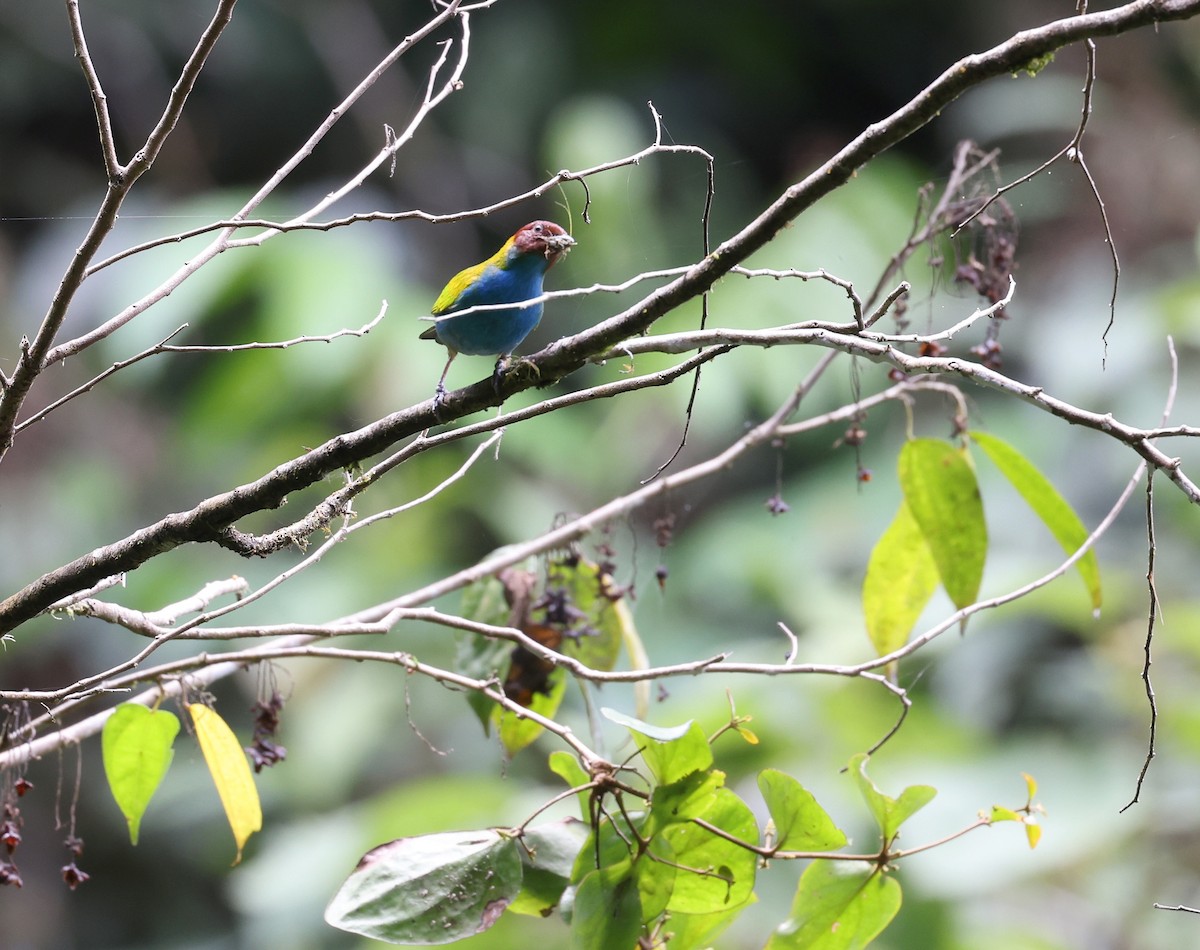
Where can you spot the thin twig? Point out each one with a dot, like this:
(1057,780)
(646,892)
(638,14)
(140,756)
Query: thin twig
(706,243)
(164,346)
(297,641)
(34,355)
(108,147)
(1152,594)
(226,237)
(1152,616)
(186,676)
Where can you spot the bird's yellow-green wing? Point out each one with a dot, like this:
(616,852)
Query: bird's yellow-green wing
(461,282)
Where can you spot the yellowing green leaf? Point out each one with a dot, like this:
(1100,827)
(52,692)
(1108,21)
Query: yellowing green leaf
(516,732)
(1047,504)
(607,618)
(1033,831)
(230,772)
(622,617)
(601,623)
(901,577)
(942,494)
(136,746)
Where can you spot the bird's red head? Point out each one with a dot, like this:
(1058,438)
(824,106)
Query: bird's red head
(543,237)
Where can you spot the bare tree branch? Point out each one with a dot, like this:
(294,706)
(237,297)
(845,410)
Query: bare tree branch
(165,346)
(34,355)
(226,238)
(298,640)
(212,519)
(108,146)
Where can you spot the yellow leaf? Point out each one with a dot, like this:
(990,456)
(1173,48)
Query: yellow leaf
(748,735)
(1033,831)
(638,658)
(901,577)
(1031,784)
(230,772)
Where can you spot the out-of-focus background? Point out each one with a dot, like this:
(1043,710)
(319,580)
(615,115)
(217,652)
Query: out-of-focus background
(771,90)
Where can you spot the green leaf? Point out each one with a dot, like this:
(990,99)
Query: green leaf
(657,872)
(136,746)
(901,577)
(567,767)
(699,931)
(889,813)
(548,854)
(431,889)
(653,871)
(614,847)
(678,758)
(670,753)
(943,495)
(1047,504)
(689,797)
(800,823)
(839,905)
(608,912)
(726,878)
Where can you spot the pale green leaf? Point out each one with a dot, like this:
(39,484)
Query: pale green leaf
(670,753)
(1054,511)
(889,813)
(801,824)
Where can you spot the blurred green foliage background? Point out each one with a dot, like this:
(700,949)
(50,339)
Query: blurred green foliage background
(770,90)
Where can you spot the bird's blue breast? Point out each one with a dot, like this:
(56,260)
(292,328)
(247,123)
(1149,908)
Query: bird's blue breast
(495,332)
